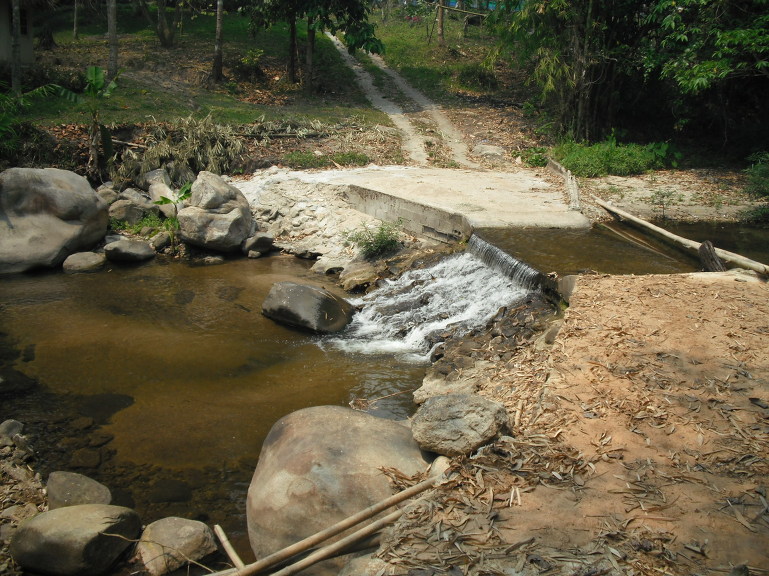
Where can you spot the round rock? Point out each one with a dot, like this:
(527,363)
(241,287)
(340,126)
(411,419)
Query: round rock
(82,540)
(84,262)
(128,251)
(170,543)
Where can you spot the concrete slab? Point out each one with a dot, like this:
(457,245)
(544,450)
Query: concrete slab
(485,199)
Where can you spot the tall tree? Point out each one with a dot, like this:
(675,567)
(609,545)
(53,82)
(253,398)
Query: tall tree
(166,31)
(75,32)
(16,47)
(216,72)
(112,40)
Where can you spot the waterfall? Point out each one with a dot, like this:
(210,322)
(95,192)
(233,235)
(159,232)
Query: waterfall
(517,270)
(408,315)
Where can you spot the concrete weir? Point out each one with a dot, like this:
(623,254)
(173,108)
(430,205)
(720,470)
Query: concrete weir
(449,204)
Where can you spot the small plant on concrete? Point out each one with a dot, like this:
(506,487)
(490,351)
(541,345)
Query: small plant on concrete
(664,198)
(376,241)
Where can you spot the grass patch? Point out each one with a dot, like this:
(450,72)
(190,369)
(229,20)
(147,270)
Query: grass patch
(758,175)
(301,160)
(376,242)
(604,158)
(151,220)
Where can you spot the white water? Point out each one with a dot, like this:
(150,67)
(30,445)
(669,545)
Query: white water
(406,316)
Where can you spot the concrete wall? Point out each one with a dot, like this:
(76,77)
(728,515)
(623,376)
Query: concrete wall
(27,41)
(417,218)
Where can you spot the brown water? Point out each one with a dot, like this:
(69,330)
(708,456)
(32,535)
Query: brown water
(177,363)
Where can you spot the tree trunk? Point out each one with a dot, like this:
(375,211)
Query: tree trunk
(441,37)
(16,47)
(292,51)
(75,33)
(308,55)
(710,260)
(112,68)
(216,72)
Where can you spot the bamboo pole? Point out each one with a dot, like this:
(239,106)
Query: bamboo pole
(233,556)
(323,535)
(734,259)
(338,546)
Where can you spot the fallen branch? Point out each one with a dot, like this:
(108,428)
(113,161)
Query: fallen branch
(735,259)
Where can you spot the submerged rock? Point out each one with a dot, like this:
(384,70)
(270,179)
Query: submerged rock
(84,262)
(70,489)
(308,307)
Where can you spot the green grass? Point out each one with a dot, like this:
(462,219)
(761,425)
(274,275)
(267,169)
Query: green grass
(437,71)
(306,159)
(603,158)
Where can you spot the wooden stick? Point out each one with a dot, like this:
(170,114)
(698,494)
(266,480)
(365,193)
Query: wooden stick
(732,258)
(233,556)
(332,549)
(323,535)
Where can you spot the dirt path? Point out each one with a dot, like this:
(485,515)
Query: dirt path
(414,141)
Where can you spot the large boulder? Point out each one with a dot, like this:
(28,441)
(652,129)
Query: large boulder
(46,215)
(457,424)
(170,543)
(320,465)
(308,307)
(82,540)
(217,217)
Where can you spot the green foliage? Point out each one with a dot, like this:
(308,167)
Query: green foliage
(11,110)
(151,220)
(536,156)
(97,90)
(171,223)
(378,241)
(758,175)
(306,159)
(609,157)
(249,65)
(184,147)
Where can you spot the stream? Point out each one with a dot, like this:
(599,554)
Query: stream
(161,380)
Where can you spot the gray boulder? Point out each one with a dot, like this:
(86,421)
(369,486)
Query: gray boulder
(259,242)
(217,217)
(131,206)
(71,489)
(84,262)
(46,215)
(128,251)
(320,465)
(457,424)
(82,540)
(144,181)
(308,307)
(170,543)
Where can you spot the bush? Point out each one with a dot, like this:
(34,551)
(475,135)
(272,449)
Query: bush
(536,156)
(375,242)
(184,148)
(758,175)
(603,158)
